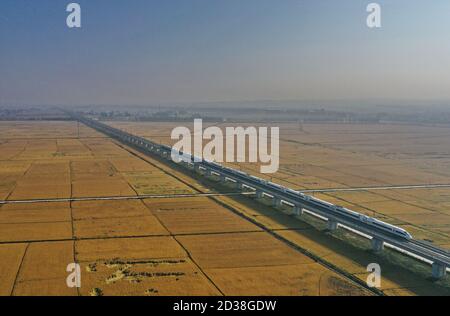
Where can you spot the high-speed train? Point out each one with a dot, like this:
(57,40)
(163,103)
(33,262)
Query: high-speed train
(364,218)
(397,231)
(344,211)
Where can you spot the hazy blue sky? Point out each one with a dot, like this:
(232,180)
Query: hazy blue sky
(144,51)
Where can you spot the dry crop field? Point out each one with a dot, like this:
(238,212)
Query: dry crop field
(324,156)
(342,156)
(154,246)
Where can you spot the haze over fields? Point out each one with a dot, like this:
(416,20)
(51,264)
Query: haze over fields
(146,52)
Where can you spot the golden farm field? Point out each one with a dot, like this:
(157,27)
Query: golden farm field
(38,274)
(341,156)
(155,182)
(11,255)
(283,280)
(196,215)
(155,246)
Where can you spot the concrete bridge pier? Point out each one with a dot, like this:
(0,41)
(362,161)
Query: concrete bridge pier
(438,270)
(377,245)
(332,224)
(276,201)
(298,210)
(259,194)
